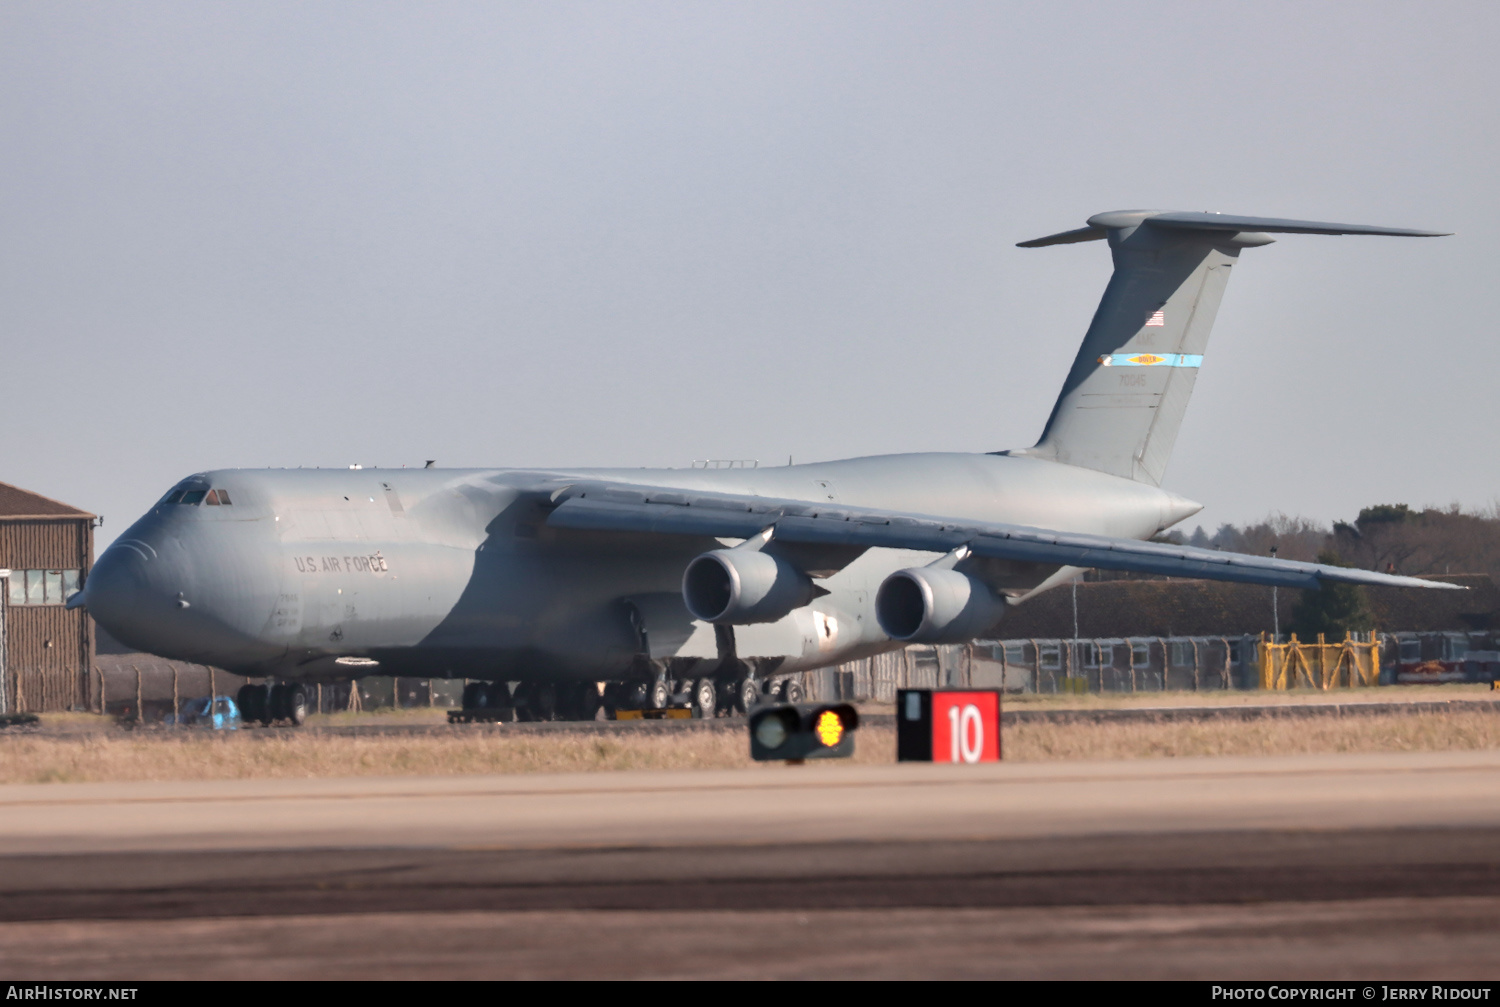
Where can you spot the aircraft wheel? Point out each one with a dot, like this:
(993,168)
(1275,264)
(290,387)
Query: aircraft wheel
(747,694)
(544,701)
(705,698)
(295,705)
(252,703)
(471,690)
(589,702)
(792,691)
(633,696)
(660,694)
(525,706)
(496,696)
(724,701)
(275,706)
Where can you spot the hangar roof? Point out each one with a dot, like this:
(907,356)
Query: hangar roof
(16,503)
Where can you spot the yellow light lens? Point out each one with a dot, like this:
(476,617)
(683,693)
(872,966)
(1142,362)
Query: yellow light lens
(829,728)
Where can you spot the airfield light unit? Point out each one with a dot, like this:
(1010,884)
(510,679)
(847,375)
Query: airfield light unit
(793,732)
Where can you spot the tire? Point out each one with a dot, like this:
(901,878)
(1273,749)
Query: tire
(496,696)
(660,694)
(470,691)
(705,698)
(588,702)
(747,694)
(252,703)
(634,696)
(275,705)
(295,705)
(544,701)
(525,711)
(792,692)
(724,702)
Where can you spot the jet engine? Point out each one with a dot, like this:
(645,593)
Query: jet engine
(927,605)
(740,586)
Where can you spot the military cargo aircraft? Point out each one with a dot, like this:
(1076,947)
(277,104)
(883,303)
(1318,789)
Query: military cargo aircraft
(559,592)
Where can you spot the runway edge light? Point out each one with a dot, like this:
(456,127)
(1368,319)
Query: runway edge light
(793,732)
(948,725)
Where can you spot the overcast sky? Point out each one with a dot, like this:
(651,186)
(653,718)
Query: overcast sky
(493,234)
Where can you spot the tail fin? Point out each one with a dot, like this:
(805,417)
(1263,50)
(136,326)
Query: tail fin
(1123,401)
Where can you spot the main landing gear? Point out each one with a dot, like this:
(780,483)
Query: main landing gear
(285,703)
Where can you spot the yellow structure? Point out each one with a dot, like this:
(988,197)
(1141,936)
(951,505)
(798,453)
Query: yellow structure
(1320,665)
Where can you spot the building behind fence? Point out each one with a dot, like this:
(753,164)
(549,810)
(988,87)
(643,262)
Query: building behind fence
(46,649)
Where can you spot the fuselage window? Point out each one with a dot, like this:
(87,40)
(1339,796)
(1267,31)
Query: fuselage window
(194,496)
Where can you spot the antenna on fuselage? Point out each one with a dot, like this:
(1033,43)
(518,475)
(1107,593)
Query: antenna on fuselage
(430,463)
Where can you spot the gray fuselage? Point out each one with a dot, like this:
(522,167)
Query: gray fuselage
(454,572)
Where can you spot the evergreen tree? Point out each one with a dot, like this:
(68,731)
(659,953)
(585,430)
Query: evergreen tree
(1331,610)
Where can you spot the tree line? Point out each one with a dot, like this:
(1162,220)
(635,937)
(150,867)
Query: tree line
(1391,538)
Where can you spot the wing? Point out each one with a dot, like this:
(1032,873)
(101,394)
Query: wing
(644,509)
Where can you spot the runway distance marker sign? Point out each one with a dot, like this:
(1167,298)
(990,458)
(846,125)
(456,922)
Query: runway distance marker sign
(948,725)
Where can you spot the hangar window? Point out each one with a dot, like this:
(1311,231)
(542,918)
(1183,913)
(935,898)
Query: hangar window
(42,587)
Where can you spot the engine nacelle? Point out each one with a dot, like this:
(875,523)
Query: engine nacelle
(924,605)
(738,586)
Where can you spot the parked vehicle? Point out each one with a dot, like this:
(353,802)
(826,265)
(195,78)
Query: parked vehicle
(218,713)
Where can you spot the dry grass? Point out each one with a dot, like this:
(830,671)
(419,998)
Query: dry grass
(1289,736)
(102,756)
(117,756)
(1250,697)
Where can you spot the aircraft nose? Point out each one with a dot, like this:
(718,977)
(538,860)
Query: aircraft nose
(127,593)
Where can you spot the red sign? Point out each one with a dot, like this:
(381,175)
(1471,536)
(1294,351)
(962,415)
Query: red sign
(965,726)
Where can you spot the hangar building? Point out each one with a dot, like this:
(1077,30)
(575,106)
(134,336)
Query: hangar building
(48,650)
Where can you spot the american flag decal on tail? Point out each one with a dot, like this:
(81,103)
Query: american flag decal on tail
(1157,319)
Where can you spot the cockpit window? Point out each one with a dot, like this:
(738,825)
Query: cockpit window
(194,496)
(213,498)
(224,497)
(174,497)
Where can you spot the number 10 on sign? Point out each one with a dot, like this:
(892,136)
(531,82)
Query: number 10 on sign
(940,725)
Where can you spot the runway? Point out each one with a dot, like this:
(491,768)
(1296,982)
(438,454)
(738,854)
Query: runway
(1320,866)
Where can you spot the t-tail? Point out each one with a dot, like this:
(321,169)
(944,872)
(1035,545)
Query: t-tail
(1123,401)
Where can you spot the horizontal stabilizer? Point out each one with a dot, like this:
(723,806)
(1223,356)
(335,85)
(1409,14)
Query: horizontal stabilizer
(1269,225)
(1102,223)
(1067,237)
